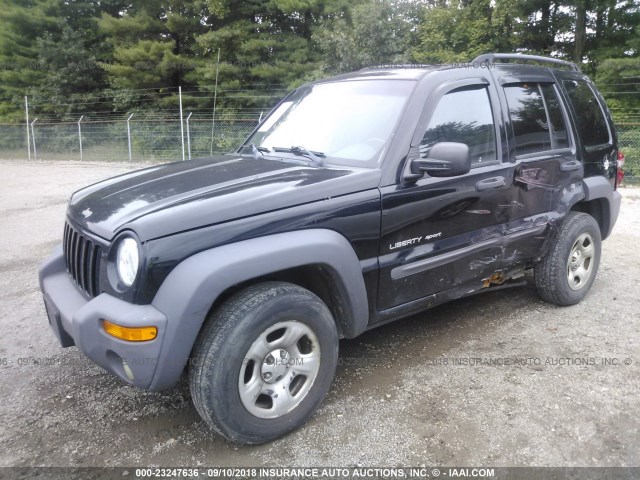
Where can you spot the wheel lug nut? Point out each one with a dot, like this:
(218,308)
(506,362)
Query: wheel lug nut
(267,376)
(270,360)
(283,354)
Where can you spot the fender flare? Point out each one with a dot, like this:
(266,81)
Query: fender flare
(187,294)
(599,188)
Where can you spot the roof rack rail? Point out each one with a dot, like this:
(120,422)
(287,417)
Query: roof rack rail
(492,57)
(402,66)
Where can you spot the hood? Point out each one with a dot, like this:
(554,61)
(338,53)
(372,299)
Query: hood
(170,198)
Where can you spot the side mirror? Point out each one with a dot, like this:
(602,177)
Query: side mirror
(446,159)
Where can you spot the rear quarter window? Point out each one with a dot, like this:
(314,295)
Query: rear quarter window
(590,119)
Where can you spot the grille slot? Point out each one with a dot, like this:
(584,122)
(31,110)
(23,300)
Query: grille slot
(82,257)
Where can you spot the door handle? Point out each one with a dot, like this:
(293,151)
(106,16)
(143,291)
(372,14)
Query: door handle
(570,166)
(489,183)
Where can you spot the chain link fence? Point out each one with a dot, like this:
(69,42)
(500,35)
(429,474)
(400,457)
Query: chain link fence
(160,140)
(136,139)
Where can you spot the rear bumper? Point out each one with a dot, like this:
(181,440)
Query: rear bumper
(614,210)
(77,320)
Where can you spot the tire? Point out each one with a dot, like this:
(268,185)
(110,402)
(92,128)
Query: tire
(565,275)
(239,386)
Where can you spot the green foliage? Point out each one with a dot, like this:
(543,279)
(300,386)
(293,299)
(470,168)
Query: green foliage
(74,56)
(371,33)
(614,30)
(72,70)
(152,43)
(20,24)
(458,31)
(619,80)
(585,31)
(261,43)
(49,50)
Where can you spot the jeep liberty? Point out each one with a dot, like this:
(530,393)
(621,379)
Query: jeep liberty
(359,200)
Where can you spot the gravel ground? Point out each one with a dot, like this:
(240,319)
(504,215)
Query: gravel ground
(398,399)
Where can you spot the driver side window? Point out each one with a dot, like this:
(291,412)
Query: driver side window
(464,115)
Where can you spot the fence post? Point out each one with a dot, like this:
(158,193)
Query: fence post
(189,135)
(215,98)
(181,122)
(129,135)
(33,138)
(26,109)
(80,135)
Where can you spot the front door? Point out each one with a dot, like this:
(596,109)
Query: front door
(438,233)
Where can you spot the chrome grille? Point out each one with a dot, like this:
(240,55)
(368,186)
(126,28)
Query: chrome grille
(82,256)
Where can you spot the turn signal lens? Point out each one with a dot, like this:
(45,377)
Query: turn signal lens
(130,334)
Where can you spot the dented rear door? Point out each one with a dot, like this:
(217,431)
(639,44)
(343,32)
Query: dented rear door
(543,149)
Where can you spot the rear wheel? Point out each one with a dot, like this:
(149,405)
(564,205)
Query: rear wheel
(566,274)
(263,362)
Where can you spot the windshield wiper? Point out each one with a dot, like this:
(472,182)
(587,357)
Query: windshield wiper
(315,157)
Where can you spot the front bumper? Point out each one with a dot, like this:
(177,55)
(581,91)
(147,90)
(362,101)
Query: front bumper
(77,320)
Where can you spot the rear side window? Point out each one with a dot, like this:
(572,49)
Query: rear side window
(592,125)
(537,118)
(464,116)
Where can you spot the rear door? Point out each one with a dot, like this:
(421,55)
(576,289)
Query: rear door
(438,233)
(543,149)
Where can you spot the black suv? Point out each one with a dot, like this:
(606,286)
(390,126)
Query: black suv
(359,200)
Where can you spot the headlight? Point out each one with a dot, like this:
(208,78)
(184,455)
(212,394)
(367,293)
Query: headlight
(127,261)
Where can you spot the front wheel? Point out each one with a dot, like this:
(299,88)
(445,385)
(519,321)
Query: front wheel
(263,362)
(565,275)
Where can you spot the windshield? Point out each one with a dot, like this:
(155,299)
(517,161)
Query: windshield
(349,122)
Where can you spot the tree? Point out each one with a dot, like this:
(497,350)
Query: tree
(72,71)
(371,33)
(263,44)
(65,53)
(21,23)
(152,43)
(613,28)
(585,31)
(618,79)
(50,50)
(460,30)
